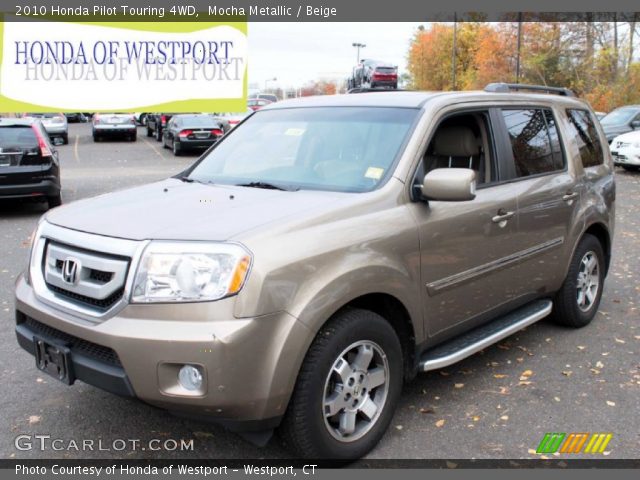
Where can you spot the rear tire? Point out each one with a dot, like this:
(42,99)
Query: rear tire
(630,168)
(149,132)
(347,389)
(177,151)
(577,301)
(158,135)
(54,201)
(65,139)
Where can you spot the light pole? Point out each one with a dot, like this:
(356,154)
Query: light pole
(358,47)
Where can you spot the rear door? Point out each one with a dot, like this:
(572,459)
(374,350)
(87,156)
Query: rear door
(548,195)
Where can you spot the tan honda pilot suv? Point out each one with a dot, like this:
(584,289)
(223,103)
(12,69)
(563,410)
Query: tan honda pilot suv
(323,253)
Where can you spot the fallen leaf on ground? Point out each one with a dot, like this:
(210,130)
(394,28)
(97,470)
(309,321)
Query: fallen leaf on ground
(399,427)
(610,403)
(557,399)
(459,385)
(619,340)
(524,383)
(504,417)
(500,375)
(440,423)
(567,373)
(34,419)
(427,410)
(581,347)
(599,364)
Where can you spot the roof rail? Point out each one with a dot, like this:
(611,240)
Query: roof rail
(509,87)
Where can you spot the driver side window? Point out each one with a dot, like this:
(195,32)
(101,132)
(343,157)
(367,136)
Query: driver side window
(462,140)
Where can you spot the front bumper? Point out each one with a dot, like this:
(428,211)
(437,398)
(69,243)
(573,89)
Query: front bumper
(630,157)
(250,364)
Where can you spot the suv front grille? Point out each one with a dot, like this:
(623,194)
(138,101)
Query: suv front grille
(92,350)
(90,279)
(104,304)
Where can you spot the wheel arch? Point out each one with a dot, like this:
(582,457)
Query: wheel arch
(600,231)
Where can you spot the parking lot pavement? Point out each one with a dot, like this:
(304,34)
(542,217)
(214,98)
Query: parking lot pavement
(496,404)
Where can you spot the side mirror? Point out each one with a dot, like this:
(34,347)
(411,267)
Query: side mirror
(449,184)
(635,124)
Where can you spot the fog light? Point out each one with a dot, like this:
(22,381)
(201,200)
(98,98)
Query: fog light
(190,377)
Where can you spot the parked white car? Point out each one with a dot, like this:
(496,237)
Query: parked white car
(625,150)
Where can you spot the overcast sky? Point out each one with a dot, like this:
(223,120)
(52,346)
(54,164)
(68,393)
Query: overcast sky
(298,52)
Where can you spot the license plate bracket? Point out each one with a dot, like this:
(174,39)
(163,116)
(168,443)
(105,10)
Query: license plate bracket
(53,359)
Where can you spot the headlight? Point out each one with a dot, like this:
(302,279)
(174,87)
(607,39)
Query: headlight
(31,241)
(190,271)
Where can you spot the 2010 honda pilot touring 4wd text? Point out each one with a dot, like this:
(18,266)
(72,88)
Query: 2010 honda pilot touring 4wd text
(324,252)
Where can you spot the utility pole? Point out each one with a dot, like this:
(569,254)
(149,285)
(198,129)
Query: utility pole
(358,47)
(519,46)
(453,52)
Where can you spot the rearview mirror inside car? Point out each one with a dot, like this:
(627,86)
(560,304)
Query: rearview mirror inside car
(449,184)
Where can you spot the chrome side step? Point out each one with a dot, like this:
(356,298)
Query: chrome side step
(479,338)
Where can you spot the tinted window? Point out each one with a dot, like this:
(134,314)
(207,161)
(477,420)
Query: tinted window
(584,131)
(534,141)
(18,137)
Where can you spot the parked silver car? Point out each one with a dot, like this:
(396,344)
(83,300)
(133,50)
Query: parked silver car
(55,124)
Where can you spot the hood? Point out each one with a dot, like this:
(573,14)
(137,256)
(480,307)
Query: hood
(175,210)
(629,137)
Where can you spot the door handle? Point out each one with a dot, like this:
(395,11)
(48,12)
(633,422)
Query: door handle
(569,196)
(502,216)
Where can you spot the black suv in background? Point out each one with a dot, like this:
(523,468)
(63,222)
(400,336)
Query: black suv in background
(156,122)
(29,165)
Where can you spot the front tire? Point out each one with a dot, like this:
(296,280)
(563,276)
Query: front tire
(577,301)
(347,389)
(158,135)
(149,132)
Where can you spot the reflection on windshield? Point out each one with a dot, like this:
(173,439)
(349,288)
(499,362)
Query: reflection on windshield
(349,149)
(618,117)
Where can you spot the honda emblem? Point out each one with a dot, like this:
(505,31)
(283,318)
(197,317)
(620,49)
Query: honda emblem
(71,271)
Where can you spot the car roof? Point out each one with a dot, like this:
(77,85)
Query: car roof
(13,122)
(416,99)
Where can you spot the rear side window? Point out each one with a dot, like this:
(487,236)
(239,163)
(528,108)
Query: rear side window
(534,141)
(584,131)
(18,137)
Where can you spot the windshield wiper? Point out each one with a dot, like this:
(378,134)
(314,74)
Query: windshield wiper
(267,185)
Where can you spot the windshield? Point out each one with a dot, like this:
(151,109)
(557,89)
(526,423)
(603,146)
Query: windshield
(347,149)
(620,116)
